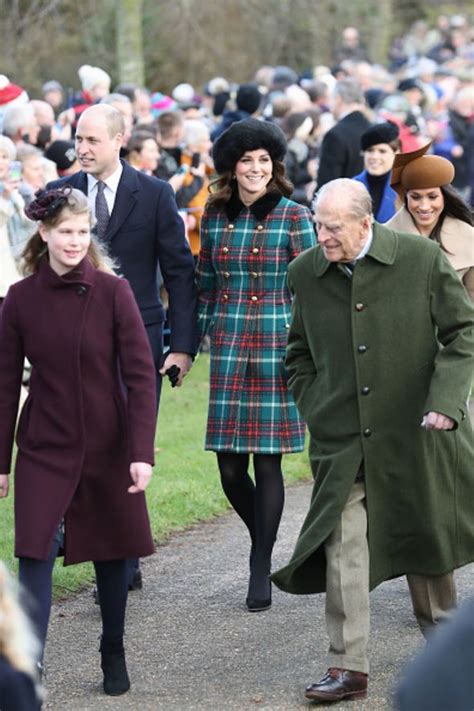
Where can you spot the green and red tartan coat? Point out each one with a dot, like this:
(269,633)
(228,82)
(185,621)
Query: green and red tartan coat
(245,306)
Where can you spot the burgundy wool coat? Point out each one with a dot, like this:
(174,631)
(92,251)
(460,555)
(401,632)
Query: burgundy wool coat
(89,414)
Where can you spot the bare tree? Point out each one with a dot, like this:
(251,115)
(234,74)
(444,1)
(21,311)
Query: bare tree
(192,40)
(130,62)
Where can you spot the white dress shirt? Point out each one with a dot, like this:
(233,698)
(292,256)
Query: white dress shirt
(110,190)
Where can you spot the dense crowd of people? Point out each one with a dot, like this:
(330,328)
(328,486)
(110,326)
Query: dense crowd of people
(223,246)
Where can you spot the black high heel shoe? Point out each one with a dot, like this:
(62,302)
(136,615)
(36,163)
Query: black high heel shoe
(113,665)
(262,602)
(254,605)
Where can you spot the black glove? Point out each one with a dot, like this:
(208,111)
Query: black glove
(173,375)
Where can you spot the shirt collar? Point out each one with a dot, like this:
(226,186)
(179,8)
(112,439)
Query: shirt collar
(382,247)
(111,182)
(366,246)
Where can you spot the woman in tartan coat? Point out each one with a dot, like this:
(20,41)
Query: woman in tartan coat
(249,233)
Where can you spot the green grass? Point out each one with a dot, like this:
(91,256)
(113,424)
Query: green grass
(185,487)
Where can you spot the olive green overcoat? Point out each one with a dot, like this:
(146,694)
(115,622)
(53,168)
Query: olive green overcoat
(367,357)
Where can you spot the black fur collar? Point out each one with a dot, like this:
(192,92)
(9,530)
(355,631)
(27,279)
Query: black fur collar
(259,209)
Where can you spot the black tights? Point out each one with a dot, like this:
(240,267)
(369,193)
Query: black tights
(259,505)
(112,588)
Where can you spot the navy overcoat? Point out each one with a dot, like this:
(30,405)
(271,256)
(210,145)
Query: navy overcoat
(78,432)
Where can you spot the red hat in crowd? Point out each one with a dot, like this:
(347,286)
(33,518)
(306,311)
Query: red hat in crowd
(10,93)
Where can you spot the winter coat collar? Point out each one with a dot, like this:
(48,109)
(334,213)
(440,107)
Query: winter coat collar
(82,274)
(456,236)
(259,209)
(383,249)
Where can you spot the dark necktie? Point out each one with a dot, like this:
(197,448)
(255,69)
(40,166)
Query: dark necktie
(101,211)
(347,268)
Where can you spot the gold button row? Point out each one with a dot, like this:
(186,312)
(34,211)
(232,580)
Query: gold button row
(254,275)
(255,250)
(232,227)
(252,298)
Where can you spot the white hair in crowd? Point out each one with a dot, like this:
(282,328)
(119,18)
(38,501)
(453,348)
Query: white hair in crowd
(8,147)
(17,117)
(352,195)
(195,132)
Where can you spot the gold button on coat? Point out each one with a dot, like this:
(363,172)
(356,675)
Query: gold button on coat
(259,228)
(225,249)
(226,275)
(255,250)
(230,227)
(359,307)
(254,275)
(225,297)
(254,298)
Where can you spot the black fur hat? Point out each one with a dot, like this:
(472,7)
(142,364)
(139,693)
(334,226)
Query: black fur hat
(379,133)
(248,135)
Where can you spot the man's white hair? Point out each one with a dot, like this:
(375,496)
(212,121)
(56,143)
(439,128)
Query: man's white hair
(350,195)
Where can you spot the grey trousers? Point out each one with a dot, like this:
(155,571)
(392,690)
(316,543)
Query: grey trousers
(347,591)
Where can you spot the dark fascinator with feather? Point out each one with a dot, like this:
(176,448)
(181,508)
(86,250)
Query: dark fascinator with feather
(47,202)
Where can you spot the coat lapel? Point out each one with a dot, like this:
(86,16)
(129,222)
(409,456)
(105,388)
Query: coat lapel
(383,248)
(78,181)
(384,245)
(125,201)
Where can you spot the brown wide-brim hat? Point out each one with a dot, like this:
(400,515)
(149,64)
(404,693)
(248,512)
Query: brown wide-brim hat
(417,171)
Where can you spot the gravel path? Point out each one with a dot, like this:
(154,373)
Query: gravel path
(191,644)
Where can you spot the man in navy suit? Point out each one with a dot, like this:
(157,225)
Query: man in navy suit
(138,220)
(144,229)
(340,155)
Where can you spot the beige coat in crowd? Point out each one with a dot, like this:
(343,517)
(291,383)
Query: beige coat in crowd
(458,242)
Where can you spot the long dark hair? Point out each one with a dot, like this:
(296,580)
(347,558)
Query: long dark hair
(223,187)
(454,206)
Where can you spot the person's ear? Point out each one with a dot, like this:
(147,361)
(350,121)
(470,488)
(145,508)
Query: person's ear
(43,231)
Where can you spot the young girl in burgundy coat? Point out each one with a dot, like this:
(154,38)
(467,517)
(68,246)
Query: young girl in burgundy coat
(86,433)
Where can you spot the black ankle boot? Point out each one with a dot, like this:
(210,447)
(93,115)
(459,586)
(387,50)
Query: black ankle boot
(116,681)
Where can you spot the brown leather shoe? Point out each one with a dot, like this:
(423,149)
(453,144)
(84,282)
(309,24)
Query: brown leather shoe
(339,684)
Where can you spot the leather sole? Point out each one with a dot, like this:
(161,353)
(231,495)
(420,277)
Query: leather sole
(322,696)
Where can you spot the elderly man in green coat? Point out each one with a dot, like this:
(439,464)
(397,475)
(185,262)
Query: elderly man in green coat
(380,363)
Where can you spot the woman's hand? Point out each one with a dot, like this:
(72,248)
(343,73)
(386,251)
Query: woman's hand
(9,186)
(4,484)
(141,475)
(176,181)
